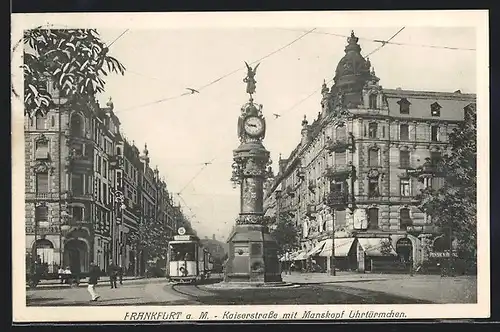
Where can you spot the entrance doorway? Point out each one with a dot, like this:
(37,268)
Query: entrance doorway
(76,256)
(404,249)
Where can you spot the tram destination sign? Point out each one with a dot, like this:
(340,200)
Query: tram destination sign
(182,237)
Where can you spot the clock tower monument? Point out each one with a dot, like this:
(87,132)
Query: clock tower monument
(253,252)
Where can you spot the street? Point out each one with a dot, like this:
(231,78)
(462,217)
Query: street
(309,289)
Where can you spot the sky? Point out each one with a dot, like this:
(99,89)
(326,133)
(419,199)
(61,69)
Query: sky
(183,133)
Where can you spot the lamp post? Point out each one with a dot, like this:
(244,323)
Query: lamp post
(122,209)
(332,263)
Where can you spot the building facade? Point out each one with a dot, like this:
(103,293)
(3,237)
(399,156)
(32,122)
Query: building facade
(353,176)
(87,189)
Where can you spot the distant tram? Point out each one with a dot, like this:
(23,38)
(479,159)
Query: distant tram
(187,260)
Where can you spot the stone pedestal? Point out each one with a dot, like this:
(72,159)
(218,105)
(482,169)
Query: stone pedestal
(252,256)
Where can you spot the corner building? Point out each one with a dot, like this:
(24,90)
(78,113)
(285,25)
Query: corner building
(353,175)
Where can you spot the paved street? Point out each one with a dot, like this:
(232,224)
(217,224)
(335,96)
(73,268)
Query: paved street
(312,289)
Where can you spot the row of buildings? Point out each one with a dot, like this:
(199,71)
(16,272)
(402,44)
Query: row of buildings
(88,189)
(356,173)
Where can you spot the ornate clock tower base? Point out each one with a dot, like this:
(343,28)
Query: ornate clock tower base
(253,253)
(259,261)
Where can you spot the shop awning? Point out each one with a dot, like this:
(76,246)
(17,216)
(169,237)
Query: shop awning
(300,256)
(287,257)
(316,249)
(342,247)
(377,247)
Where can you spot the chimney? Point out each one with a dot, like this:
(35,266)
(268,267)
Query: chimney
(213,237)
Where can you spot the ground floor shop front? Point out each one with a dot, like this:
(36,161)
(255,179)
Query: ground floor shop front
(366,252)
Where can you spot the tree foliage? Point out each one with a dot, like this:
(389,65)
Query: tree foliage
(152,237)
(285,233)
(454,205)
(73,60)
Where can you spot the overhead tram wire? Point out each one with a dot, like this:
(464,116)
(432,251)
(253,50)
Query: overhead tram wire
(385,42)
(116,39)
(392,43)
(223,76)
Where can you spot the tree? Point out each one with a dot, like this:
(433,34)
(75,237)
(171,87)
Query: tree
(454,205)
(152,238)
(285,233)
(73,60)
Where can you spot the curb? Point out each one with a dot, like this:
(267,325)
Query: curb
(104,283)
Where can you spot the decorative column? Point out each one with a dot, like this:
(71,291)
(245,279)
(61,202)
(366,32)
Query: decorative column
(253,253)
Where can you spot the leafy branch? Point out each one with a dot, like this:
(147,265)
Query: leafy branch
(73,60)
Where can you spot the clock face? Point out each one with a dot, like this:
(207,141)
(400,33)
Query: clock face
(254,126)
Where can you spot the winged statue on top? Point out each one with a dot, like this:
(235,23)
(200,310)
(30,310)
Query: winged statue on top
(250,78)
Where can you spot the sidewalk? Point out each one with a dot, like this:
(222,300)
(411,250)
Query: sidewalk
(56,283)
(322,278)
(434,288)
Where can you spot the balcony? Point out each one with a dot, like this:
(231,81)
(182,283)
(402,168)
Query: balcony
(336,199)
(42,196)
(338,145)
(44,227)
(77,160)
(338,171)
(76,195)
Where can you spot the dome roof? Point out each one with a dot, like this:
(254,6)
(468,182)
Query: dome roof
(352,69)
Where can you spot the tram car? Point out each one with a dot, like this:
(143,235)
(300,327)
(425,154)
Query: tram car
(188,261)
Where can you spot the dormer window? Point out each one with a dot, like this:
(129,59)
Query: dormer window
(435,109)
(404,106)
(373,101)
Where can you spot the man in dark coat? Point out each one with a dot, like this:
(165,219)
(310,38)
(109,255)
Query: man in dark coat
(113,274)
(94,275)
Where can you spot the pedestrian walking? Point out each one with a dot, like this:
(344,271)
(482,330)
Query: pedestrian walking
(113,274)
(94,275)
(120,274)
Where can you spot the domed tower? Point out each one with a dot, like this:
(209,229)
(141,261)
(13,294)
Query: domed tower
(352,72)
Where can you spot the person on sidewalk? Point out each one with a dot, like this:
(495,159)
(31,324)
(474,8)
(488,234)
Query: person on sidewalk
(113,274)
(120,274)
(94,275)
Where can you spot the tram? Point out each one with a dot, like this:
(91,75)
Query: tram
(187,260)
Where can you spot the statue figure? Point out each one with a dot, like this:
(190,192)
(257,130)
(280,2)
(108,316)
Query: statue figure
(250,78)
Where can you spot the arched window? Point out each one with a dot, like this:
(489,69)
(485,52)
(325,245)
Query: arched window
(45,251)
(77,125)
(41,121)
(373,101)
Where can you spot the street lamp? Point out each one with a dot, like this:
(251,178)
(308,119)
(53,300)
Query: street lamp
(122,209)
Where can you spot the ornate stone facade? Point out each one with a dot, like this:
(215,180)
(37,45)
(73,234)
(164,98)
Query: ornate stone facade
(358,155)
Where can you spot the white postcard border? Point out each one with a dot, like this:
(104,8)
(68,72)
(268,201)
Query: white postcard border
(478,19)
